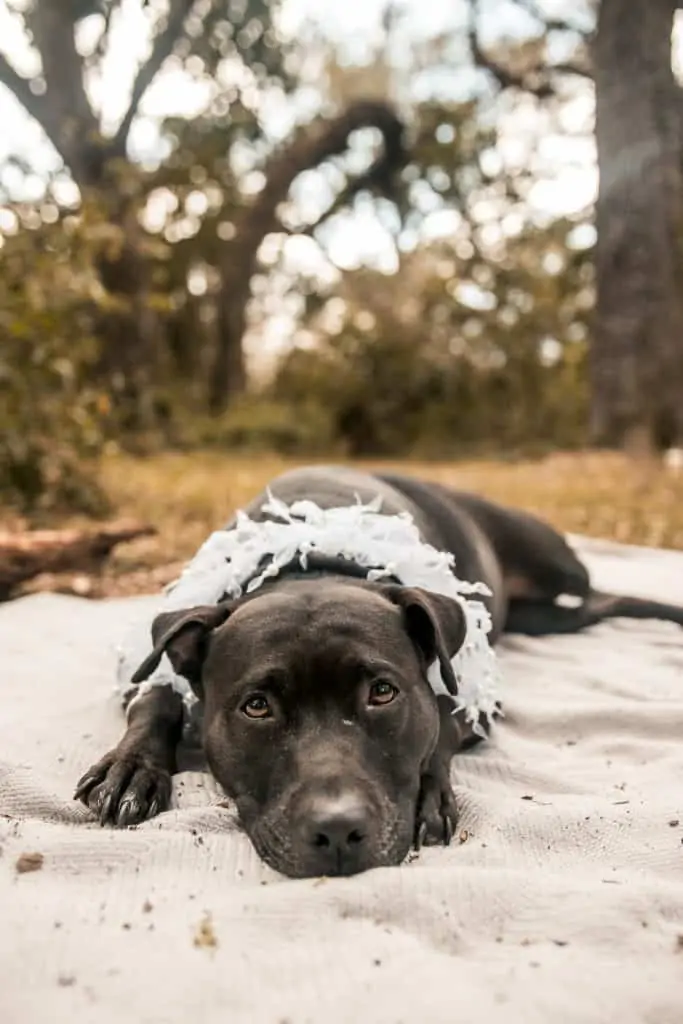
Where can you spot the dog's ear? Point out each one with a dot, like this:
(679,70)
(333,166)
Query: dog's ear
(437,626)
(183,636)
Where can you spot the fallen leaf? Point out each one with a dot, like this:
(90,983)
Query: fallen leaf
(206,936)
(29,862)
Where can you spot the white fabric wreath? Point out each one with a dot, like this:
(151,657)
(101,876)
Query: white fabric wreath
(359,533)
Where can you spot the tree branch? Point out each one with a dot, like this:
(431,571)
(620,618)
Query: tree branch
(378,177)
(505,78)
(21,89)
(536,80)
(571,67)
(162,48)
(34,105)
(76,126)
(549,24)
(26,555)
(311,149)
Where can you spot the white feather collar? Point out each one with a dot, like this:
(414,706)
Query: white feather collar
(357,532)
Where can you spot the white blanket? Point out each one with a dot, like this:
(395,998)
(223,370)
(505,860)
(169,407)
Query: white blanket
(560,901)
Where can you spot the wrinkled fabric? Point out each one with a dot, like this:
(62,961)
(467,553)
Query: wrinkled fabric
(561,898)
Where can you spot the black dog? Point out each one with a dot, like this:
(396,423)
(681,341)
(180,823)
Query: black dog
(318,719)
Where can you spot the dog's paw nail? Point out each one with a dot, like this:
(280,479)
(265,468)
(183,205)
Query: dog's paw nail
(154,807)
(448,829)
(105,808)
(93,800)
(129,812)
(421,836)
(85,785)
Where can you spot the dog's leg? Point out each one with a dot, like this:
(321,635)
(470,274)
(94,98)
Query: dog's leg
(538,565)
(133,781)
(538,617)
(436,810)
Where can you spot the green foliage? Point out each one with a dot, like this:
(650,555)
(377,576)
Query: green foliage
(454,352)
(51,415)
(478,341)
(262,424)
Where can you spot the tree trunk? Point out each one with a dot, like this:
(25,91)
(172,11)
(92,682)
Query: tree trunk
(228,374)
(130,332)
(637,355)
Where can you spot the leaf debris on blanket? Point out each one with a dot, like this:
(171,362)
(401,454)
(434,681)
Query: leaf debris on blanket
(29,862)
(206,936)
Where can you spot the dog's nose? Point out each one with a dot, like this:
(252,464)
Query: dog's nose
(337,829)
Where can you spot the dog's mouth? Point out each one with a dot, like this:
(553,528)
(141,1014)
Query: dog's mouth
(277,847)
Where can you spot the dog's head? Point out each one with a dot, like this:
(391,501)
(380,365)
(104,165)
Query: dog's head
(319,720)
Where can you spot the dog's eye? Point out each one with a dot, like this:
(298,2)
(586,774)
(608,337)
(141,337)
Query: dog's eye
(381,693)
(257,707)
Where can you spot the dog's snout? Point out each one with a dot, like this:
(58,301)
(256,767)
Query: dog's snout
(336,831)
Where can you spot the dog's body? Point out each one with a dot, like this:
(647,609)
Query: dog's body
(318,719)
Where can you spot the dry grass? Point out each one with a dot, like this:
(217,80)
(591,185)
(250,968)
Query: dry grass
(187,495)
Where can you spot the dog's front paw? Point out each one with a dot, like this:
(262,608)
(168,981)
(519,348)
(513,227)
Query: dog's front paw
(125,788)
(436,812)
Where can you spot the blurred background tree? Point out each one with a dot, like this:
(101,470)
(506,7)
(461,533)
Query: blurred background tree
(283,235)
(624,47)
(223,174)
